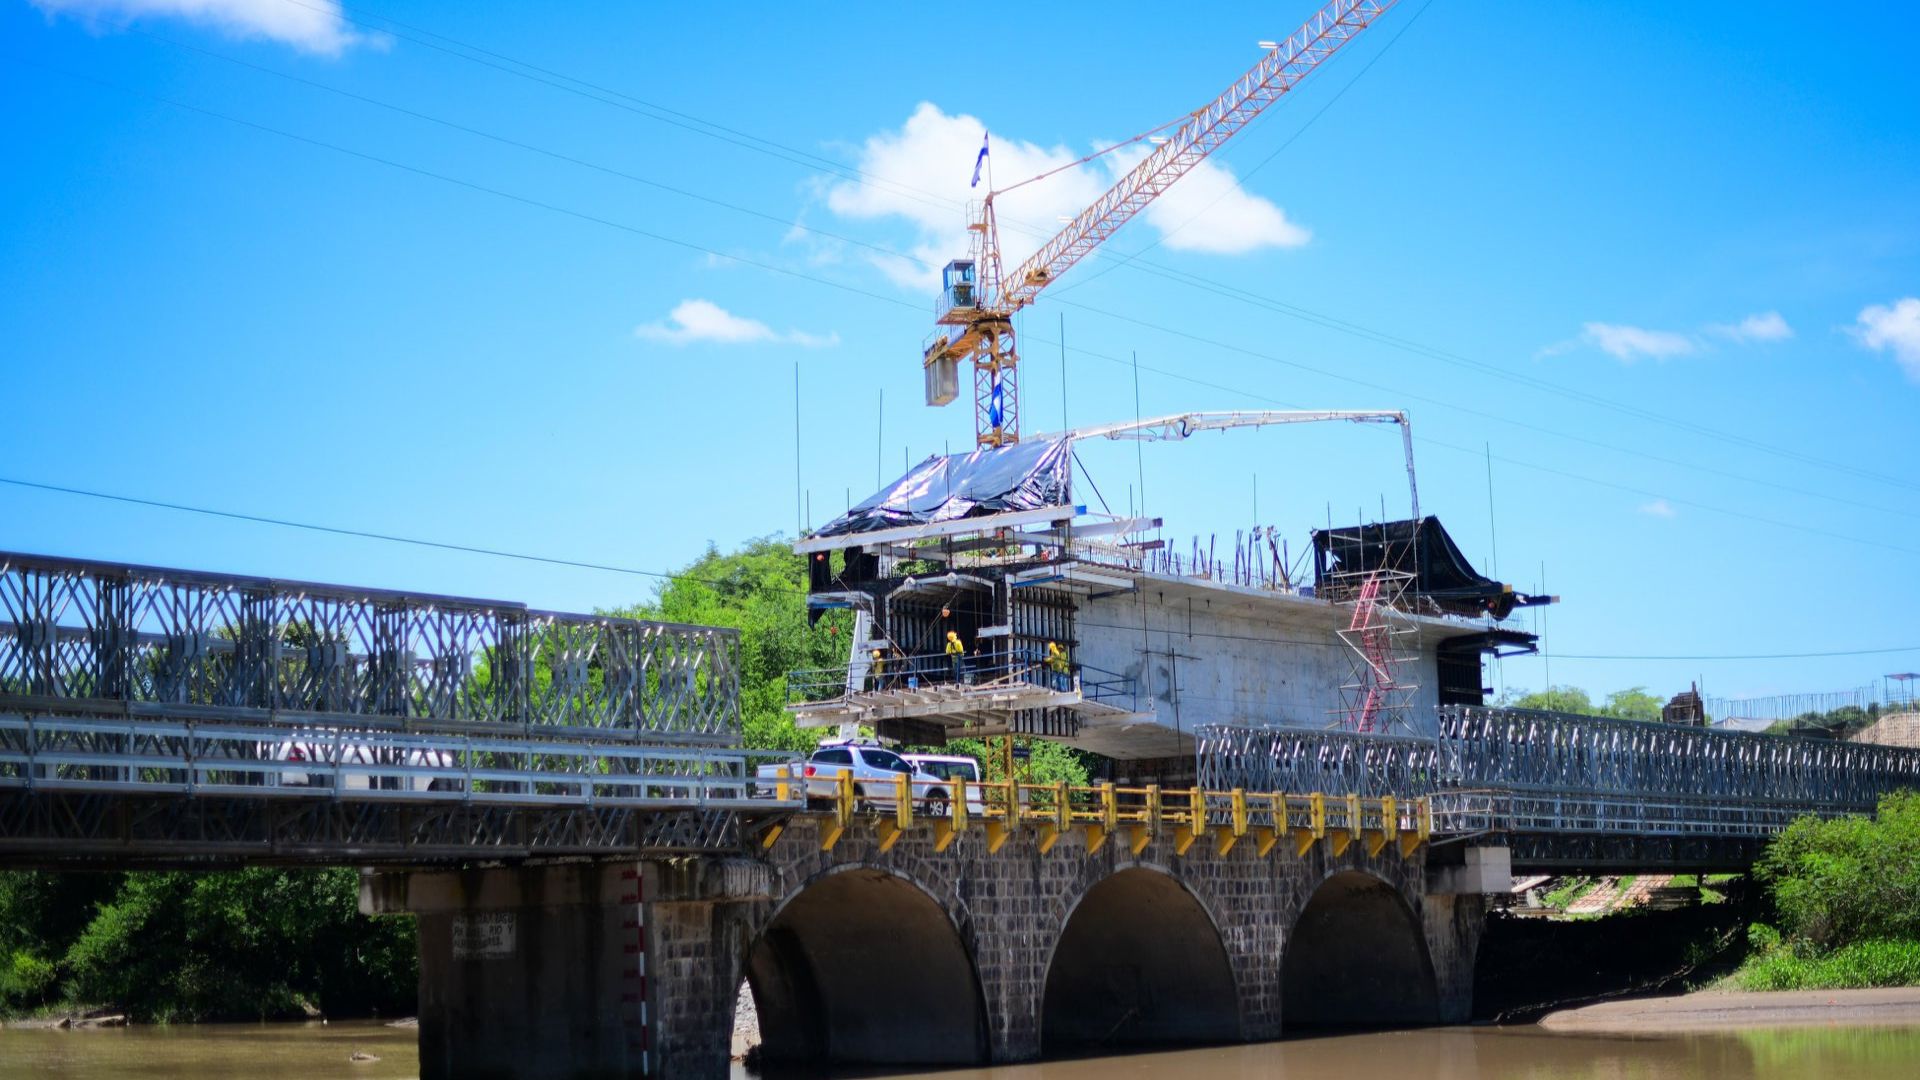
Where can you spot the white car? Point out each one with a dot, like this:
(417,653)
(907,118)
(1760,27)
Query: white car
(328,748)
(954,768)
(876,771)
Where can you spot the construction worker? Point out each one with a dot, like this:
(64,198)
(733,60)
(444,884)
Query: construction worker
(1059,665)
(877,671)
(956,653)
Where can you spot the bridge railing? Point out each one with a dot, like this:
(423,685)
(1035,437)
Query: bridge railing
(1476,812)
(92,638)
(1513,770)
(1522,750)
(156,757)
(1137,815)
(1308,759)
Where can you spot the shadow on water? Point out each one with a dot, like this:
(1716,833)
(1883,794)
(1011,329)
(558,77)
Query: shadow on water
(1521,1052)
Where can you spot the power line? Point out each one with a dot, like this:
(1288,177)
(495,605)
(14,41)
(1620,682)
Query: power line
(1238,183)
(549,560)
(1747,656)
(338,530)
(518,144)
(481,188)
(648,234)
(1428,440)
(688,121)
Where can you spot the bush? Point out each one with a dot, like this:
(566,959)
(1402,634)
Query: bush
(1843,880)
(1846,893)
(1863,964)
(26,981)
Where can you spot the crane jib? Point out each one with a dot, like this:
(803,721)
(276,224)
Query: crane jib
(977,300)
(1213,124)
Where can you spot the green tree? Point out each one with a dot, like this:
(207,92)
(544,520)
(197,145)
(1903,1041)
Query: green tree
(1565,699)
(759,590)
(246,944)
(1047,762)
(1633,703)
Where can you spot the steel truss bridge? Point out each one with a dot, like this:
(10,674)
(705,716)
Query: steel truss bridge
(168,716)
(1567,791)
(164,715)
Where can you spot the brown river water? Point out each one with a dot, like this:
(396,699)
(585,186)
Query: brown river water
(302,1051)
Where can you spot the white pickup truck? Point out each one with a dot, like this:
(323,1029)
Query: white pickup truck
(954,768)
(876,772)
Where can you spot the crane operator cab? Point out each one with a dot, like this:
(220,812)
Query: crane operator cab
(956,286)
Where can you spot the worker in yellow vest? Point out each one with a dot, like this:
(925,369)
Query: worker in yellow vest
(956,653)
(1059,666)
(877,671)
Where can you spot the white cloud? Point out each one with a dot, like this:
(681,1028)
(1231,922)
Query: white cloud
(693,321)
(923,169)
(1893,328)
(313,26)
(1630,343)
(1659,508)
(1208,212)
(1766,326)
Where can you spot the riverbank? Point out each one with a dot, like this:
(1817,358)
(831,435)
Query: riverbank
(1720,1010)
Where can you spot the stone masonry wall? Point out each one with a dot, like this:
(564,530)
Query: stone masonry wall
(1010,908)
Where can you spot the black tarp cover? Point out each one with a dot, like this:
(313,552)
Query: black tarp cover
(1023,476)
(1443,574)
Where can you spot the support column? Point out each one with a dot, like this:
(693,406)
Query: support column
(1454,925)
(575,971)
(524,971)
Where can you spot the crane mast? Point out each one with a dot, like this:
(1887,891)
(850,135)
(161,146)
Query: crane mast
(978,299)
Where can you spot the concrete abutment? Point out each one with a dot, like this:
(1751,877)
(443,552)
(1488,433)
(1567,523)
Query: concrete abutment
(912,955)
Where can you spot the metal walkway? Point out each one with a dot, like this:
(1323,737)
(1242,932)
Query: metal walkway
(160,715)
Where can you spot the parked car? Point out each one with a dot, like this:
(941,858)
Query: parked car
(327,748)
(954,768)
(875,771)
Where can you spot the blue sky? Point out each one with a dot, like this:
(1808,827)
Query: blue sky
(421,269)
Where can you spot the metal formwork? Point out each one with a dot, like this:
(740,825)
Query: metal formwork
(109,638)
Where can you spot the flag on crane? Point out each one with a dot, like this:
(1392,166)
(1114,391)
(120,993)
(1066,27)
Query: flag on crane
(979,162)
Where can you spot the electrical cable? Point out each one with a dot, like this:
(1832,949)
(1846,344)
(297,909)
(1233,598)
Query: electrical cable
(1192,281)
(472,549)
(816,162)
(903,303)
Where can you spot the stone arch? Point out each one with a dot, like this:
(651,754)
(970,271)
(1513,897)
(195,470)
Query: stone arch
(1357,957)
(1139,961)
(862,966)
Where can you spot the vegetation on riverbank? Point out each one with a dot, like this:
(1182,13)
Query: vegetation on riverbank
(172,946)
(1846,900)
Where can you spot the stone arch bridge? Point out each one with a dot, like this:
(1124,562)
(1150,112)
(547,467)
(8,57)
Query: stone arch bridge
(908,955)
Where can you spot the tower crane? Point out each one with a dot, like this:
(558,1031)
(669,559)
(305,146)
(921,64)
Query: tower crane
(974,313)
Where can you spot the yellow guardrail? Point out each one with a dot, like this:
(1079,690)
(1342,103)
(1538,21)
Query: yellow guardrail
(1131,815)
